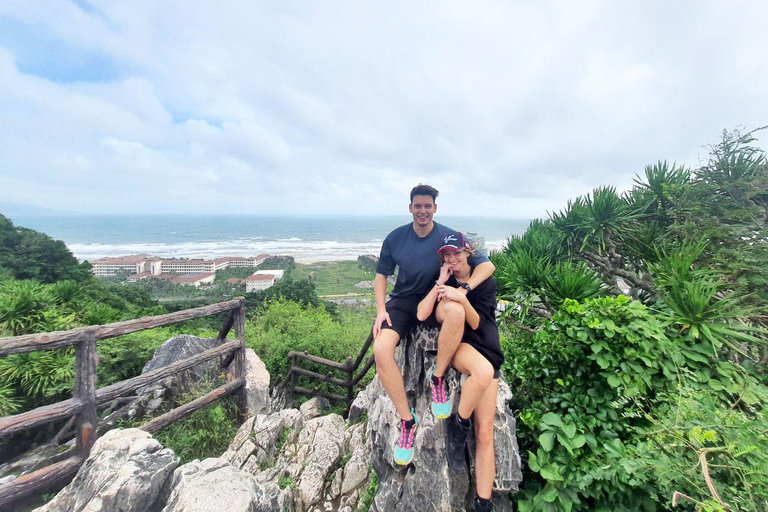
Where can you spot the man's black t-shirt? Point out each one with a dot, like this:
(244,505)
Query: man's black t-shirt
(416,259)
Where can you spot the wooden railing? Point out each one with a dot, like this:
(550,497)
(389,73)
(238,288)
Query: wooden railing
(87,398)
(348,368)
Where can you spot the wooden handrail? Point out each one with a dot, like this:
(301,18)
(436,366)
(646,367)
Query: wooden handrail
(86,397)
(61,339)
(349,367)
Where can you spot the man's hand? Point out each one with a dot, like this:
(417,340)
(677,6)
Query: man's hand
(380,319)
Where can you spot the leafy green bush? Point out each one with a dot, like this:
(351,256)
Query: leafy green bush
(281,326)
(205,433)
(602,389)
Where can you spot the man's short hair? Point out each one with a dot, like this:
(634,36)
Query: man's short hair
(424,190)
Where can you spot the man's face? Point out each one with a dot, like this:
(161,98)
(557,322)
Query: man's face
(422,208)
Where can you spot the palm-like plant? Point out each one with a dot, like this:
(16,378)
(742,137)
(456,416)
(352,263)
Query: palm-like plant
(42,374)
(569,280)
(569,224)
(695,301)
(521,272)
(606,217)
(641,241)
(659,190)
(67,293)
(22,307)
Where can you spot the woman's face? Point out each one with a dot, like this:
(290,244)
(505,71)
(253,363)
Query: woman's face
(457,260)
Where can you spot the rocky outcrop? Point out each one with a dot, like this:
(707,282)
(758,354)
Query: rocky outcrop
(178,348)
(125,471)
(256,384)
(428,483)
(321,462)
(214,484)
(301,460)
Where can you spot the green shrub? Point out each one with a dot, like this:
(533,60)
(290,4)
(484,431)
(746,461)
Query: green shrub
(205,433)
(605,387)
(284,325)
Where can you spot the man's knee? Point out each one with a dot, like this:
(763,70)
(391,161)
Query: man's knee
(384,347)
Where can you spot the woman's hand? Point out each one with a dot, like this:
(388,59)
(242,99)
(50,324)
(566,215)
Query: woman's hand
(450,293)
(445,272)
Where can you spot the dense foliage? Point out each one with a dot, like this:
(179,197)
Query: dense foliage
(29,254)
(636,346)
(283,325)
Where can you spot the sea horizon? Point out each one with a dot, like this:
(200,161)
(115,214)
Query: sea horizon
(305,238)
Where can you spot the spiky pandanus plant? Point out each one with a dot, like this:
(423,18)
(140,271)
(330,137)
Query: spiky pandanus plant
(697,301)
(659,191)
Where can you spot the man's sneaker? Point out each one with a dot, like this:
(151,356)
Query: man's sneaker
(404,445)
(455,442)
(441,405)
(483,506)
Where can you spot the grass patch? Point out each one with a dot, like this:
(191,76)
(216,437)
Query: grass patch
(370,492)
(335,277)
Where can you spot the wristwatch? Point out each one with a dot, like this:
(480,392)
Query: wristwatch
(466,286)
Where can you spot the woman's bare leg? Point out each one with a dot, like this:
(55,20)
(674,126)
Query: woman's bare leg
(485,460)
(470,362)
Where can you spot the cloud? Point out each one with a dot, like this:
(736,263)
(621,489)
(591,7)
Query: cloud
(259,107)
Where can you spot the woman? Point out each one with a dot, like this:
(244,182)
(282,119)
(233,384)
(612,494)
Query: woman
(478,356)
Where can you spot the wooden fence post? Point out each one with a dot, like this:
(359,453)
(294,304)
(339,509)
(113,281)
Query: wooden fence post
(294,379)
(85,391)
(242,394)
(350,385)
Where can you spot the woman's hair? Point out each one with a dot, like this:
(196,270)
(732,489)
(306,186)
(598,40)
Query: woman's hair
(471,250)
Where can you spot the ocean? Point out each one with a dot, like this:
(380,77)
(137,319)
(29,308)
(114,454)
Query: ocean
(307,239)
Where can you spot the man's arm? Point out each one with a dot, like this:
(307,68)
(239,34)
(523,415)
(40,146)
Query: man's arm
(380,293)
(481,272)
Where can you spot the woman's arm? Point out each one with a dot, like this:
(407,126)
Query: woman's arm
(427,304)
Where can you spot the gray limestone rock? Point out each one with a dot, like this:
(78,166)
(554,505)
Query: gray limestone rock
(125,471)
(428,483)
(320,447)
(214,484)
(257,439)
(256,384)
(178,348)
(314,407)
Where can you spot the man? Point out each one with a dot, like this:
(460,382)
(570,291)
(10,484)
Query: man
(412,248)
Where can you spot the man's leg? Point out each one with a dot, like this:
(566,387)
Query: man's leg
(391,378)
(451,317)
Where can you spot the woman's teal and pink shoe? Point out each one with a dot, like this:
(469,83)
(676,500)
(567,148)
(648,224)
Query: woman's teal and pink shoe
(441,404)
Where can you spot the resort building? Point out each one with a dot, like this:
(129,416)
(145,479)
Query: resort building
(107,267)
(262,279)
(141,263)
(195,279)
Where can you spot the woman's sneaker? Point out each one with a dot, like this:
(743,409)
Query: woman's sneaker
(404,445)
(455,442)
(441,404)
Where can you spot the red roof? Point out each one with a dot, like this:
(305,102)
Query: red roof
(123,260)
(235,280)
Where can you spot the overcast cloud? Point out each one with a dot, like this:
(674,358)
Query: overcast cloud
(509,108)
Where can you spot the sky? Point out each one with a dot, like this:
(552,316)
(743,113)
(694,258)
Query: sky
(509,108)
